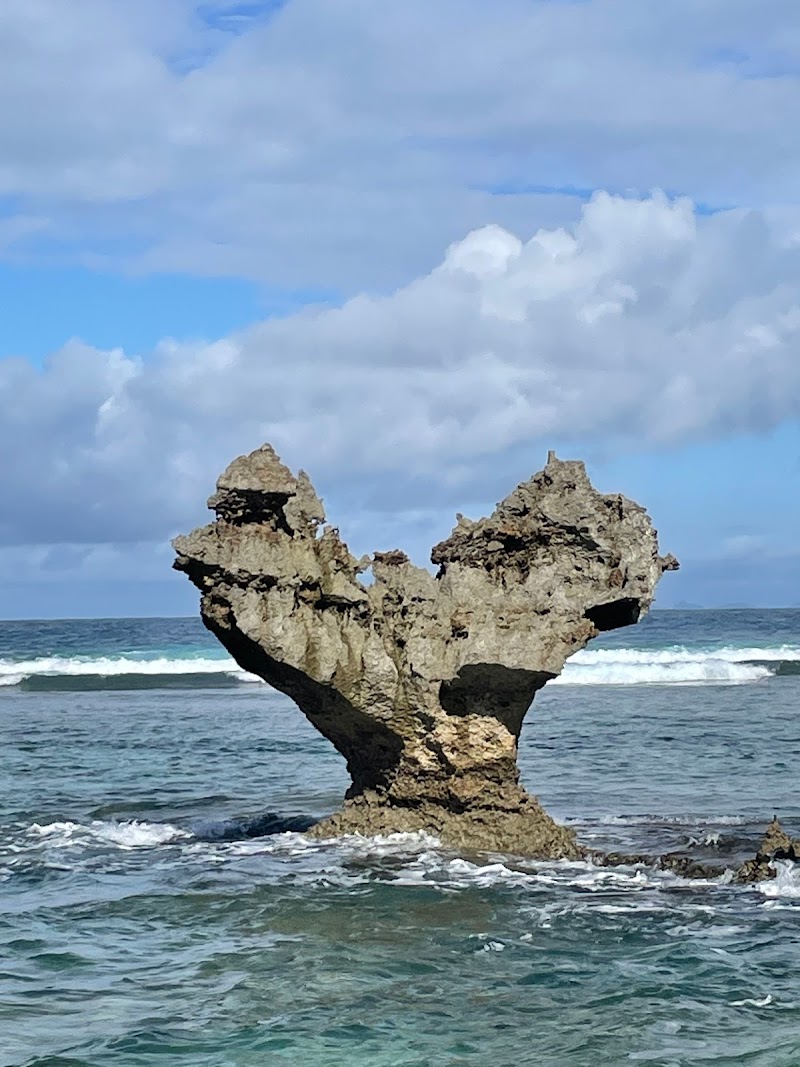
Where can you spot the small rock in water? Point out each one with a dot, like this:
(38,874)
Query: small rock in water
(776,845)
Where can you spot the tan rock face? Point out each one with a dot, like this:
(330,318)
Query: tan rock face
(421,681)
(776,845)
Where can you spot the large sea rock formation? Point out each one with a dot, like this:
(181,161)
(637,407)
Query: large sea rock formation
(422,681)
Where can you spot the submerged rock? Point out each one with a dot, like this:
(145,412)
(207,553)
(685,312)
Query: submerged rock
(675,862)
(775,845)
(421,681)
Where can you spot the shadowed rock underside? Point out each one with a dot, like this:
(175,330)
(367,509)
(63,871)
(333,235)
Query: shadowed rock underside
(421,681)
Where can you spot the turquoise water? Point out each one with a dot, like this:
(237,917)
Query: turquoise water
(160,905)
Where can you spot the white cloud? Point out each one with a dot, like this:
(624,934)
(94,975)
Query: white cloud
(643,324)
(342,145)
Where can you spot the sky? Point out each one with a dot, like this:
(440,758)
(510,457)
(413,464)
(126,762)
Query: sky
(414,246)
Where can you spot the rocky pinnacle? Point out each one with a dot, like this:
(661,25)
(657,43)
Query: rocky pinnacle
(422,681)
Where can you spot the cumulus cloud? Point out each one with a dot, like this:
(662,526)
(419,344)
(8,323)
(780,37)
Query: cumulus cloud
(341,145)
(644,323)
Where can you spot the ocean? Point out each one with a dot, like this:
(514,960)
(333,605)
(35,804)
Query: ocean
(160,905)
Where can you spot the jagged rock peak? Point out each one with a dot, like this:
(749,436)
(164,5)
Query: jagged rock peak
(776,845)
(422,682)
(259,488)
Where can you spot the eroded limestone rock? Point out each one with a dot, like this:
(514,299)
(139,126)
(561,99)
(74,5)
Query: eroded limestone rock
(422,681)
(776,845)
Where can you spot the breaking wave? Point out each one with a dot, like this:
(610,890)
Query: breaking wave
(121,672)
(786,884)
(623,666)
(678,666)
(411,859)
(124,835)
(677,820)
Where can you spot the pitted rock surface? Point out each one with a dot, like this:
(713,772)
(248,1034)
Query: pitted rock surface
(422,681)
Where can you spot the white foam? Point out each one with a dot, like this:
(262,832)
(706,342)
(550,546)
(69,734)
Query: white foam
(679,654)
(710,840)
(785,884)
(403,859)
(13,672)
(344,849)
(676,820)
(673,666)
(418,859)
(582,876)
(700,931)
(753,1002)
(623,666)
(628,909)
(123,835)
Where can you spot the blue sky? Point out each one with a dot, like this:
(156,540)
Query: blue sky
(45,305)
(412,245)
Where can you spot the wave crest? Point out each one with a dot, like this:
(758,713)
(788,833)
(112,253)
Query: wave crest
(107,672)
(124,835)
(622,666)
(677,666)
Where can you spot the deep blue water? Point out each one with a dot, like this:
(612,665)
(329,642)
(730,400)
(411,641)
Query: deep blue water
(159,904)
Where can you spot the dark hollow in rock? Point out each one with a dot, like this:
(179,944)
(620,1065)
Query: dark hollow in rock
(422,682)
